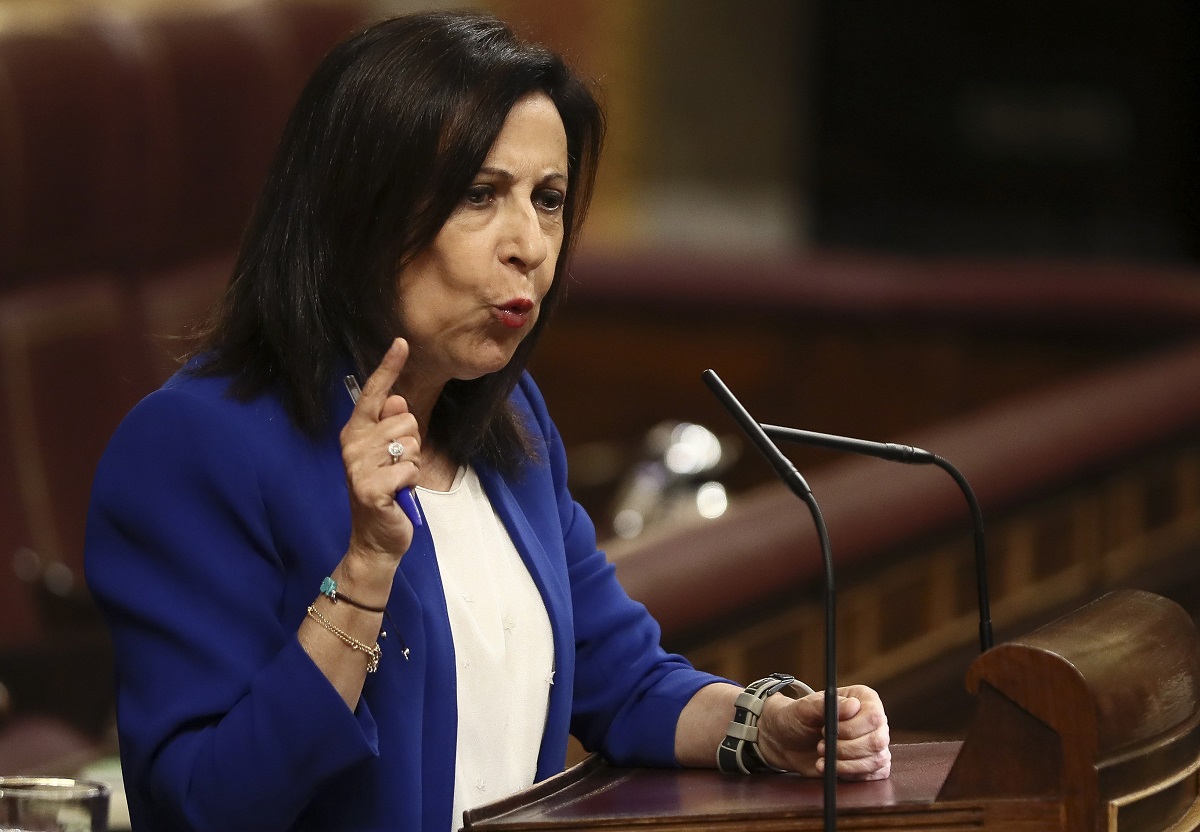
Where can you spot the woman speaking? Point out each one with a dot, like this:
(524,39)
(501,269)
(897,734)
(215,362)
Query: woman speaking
(347,585)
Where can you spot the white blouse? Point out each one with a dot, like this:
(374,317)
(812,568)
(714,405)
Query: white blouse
(503,645)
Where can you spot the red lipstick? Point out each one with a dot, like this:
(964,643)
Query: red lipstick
(513,313)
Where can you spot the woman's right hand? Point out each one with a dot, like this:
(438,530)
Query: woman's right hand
(380,532)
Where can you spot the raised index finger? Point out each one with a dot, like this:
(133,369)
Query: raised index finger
(380,382)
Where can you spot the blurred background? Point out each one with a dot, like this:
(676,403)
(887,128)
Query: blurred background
(969,226)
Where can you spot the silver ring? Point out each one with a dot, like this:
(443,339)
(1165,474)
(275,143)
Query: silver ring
(395,450)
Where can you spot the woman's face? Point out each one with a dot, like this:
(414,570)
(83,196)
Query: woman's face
(468,299)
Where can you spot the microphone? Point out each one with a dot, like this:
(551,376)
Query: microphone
(911,456)
(794,481)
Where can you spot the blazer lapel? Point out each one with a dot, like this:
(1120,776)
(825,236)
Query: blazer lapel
(547,571)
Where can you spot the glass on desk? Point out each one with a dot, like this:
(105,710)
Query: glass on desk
(52,804)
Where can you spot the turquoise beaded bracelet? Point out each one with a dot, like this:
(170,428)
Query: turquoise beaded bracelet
(329,590)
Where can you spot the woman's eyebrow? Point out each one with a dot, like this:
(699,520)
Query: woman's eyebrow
(498,172)
(507,176)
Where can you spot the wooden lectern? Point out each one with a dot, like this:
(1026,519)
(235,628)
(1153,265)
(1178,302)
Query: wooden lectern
(1089,723)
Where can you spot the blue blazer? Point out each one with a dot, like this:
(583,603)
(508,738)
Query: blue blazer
(212,524)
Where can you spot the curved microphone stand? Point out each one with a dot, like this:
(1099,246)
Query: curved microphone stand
(911,456)
(791,477)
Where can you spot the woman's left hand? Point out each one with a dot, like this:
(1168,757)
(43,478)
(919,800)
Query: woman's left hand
(791,734)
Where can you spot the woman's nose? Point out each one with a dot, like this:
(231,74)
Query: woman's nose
(525,246)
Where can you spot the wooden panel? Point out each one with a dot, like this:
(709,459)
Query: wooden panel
(1099,707)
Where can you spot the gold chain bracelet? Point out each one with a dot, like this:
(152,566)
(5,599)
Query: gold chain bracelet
(350,641)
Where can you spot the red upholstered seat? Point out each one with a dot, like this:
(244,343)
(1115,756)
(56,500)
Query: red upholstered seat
(72,366)
(314,28)
(133,142)
(132,146)
(229,86)
(75,151)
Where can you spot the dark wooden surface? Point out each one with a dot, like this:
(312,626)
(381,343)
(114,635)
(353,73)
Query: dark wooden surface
(604,795)
(1087,723)
(596,796)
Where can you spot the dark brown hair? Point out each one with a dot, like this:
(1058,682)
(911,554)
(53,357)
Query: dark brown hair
(384,142)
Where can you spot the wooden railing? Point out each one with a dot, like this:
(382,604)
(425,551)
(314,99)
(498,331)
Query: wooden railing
(1086,486)
(873,346)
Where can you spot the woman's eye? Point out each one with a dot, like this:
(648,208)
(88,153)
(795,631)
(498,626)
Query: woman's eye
(478,195)
(550,200)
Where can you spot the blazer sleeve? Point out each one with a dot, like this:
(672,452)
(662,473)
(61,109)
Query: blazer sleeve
(628,691)
(225,722)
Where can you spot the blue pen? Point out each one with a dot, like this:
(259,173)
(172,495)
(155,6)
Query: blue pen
(405,497)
